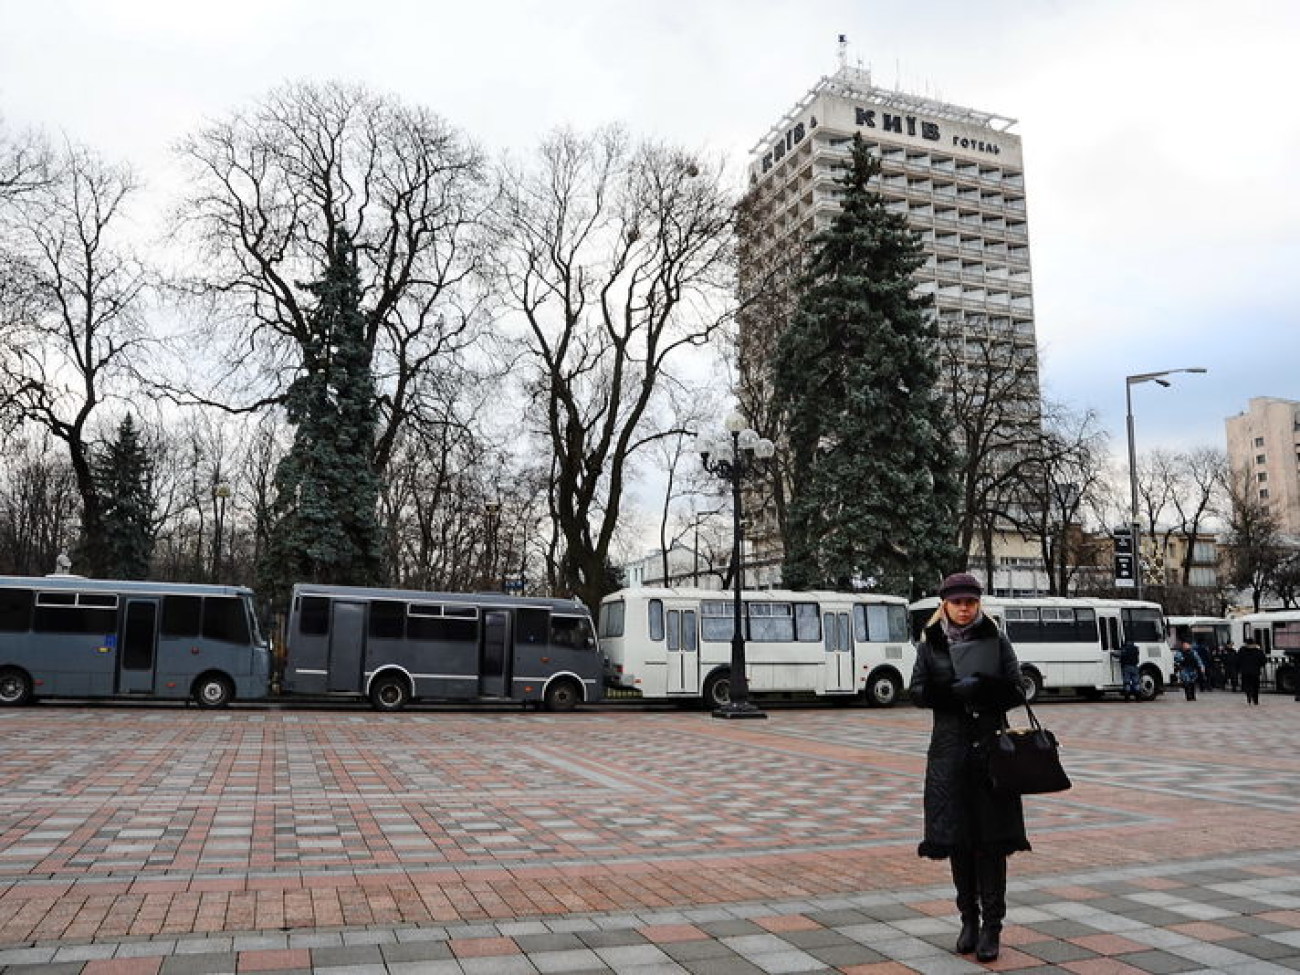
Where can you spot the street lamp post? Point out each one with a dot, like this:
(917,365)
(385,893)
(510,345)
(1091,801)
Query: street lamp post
(1135,522)
(731,457)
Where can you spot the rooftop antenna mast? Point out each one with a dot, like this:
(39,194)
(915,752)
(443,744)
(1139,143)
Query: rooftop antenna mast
(843,54)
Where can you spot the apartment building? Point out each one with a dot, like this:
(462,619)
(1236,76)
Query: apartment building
(1264,449)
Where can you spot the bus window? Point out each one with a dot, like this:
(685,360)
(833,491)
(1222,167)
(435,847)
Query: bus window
(571,631)
(314,616)
(387,619)
(224,618)
(441,629)
(15,610)
(807,623)
(58,612)
(181,615)
(612,616)
(717,620)
(656,611)
(532,626)
(770,622)
(880,623)
(1143,625)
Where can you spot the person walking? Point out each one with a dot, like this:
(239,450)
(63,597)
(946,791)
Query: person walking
(1188,669)
(967,674)
(1128,655)
(1250,664)
(1229,655)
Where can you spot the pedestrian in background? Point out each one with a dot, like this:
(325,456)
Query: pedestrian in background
(1206,667)
(1250,664)
(1187,668)
(1229,655)
(967,674)
(1128,655)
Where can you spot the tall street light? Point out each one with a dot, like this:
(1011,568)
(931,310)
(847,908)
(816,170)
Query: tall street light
(732,456)
(1135,522)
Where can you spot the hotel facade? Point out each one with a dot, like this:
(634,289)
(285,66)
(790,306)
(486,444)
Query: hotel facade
(956,174)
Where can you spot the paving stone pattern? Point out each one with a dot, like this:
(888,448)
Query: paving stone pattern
(626,839)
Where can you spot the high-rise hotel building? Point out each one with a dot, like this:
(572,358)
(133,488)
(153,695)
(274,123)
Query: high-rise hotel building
(956,173)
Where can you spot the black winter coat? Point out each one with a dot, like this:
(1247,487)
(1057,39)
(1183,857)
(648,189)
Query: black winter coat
(962,812)
(1251,660)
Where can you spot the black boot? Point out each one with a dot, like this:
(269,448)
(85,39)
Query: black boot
(991,875)
(967,884)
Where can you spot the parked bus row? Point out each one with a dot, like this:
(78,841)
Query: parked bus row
(66,636)
(1069,645)
(671,644)
(1277,633)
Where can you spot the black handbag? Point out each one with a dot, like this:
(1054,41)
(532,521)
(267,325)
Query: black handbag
(1025,761)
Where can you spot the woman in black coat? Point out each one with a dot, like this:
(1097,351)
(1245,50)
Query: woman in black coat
(968,675)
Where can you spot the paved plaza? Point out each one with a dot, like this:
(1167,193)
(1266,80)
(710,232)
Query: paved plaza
(164,839)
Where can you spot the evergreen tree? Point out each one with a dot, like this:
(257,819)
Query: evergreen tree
(123,475)
(324,519)
(855,373)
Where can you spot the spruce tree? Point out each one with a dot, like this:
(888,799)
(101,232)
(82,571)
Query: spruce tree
(854,374)
(123,478)
(326,490)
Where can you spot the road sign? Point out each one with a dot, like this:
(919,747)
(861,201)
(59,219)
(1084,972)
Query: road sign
(1125,569)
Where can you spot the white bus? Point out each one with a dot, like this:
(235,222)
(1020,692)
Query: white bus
(394,646)
(1278,633)
(68,636)
(1064,643)
(676,644)
(1209,631)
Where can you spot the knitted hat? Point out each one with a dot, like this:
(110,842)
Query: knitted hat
(961,584)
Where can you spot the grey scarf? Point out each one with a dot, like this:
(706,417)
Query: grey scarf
(960,634)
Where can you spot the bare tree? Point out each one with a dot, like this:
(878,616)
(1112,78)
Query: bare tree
(990,378)
(274,189)
(82,330)
(1061,485)
(1254,543)
(38,507)
(1196,498)
(617,259)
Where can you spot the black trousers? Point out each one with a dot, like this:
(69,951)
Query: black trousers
(1250,684)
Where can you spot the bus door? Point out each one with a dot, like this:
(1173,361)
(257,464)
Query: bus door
(838,637)
(493,675)
(683,652)
(1110,641)
(137,647)
(347,646)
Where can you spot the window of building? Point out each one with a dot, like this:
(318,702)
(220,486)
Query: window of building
(1262,476)
(1259,441)
(1263,494)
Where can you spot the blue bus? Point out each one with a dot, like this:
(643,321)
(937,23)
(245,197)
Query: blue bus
(395,646)
(68,636)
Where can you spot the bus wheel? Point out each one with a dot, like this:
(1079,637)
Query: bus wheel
(389,693)
(15,687)
(1031,682)
(213,691)
(1285,680)
(717,690)
(1148,686)
(562,695)
(883,690)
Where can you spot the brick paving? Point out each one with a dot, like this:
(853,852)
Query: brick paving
(138,839)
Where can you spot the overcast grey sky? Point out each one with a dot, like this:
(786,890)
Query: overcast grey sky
(1161,136)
